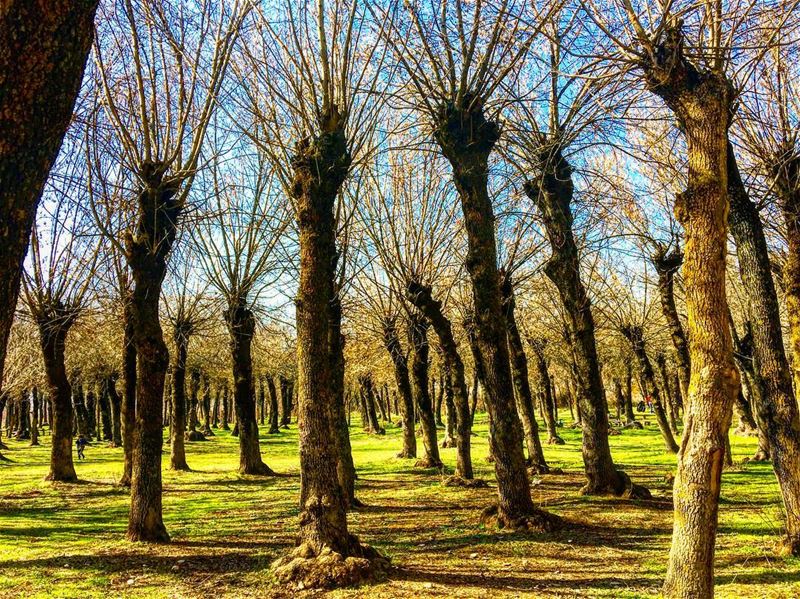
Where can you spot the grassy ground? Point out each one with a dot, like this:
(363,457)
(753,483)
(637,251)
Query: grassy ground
(68,540)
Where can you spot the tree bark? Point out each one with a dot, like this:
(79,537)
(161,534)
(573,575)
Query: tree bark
(519,374)
(549,397)
(418,338)
(667,264)
(553,193)
(274,429)
(43,51)
(421,296)
(53,330)
(392,342)
(702,102)
(115,406)
(177,455)
(467,139)
(778,407)
(129,391)
(147,249)
(241,326)
(320,166)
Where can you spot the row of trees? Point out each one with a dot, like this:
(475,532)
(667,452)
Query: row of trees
(418,171)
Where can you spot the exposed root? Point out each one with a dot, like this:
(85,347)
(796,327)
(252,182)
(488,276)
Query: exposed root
(790,546)
(537,469)
(760,456)
(194,436)
(537,521)
(448,442)
(468,483)
(555,440)
(428,462)
(621,487)
(260,469)
(306,569)
(406,455)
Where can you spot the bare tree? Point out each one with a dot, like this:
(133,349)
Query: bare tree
(309,80)
(160,68)
(456,55)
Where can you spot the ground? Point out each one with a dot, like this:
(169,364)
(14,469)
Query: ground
(61,540)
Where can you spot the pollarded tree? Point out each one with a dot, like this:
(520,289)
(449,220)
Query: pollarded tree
(410,220)
(687,63)
(310,75)
(456,55)
(160,67)
(55,290)
(236,244)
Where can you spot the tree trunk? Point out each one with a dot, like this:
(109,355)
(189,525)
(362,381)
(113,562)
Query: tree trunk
(147,249)
(286,403)
(702,103)
(52,338)
(418,338)
(320,166)
(43,51)
(241,326)
(104,408)
(177,455)
(114,402)
(392,342)
(667,264)
(421,297)
(225,407)
(778,407)
(207,405)
(635,337)
(466,139)
(519,373)
(129,391)
(548,396)
(274,429)
(669,403)
(34,407)
(345,468)
(553,193)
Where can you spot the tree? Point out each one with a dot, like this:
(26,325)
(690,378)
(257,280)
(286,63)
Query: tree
(158,118)
(314,126)
(452,90)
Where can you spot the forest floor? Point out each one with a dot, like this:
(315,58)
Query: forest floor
(60,540)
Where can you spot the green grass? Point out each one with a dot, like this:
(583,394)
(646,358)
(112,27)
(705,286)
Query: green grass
(69,540)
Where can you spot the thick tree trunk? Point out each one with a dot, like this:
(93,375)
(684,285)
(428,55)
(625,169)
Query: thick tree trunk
(194,388)
(147,249)
(52,338)
(778,407)
(667,264)
(129,391)
(207,405)
(519,374)
(702,103)
(553,193)
(345,467)
(421,297)
(466,139)
(43,50)
(320,166)
(635,337)
(548,396)
(669,402)
(286,402)
(241,326)
(418,338)
(392,342)
(177,455)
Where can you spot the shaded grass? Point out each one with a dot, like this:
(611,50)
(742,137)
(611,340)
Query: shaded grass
(69,540)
